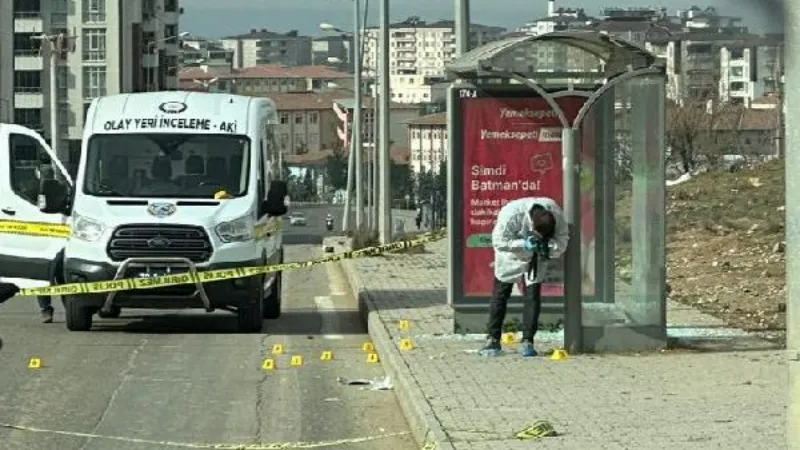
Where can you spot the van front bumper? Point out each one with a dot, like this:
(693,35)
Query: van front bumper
(225,293)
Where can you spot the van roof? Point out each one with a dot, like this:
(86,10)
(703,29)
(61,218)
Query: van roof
(177,104)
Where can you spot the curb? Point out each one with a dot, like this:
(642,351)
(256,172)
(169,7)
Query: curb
(422,421)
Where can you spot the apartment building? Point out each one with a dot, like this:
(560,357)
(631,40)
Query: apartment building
(327,47)
(268,47)
(419,53)
(427,142)
(197,50)
(110,47)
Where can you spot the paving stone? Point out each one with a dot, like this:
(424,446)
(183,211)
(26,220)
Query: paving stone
(685,400)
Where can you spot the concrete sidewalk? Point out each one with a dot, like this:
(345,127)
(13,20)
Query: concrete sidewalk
(458,400)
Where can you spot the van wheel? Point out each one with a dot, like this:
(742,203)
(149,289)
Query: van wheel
(113,314)
(251,317)
(272,303)
(79,316)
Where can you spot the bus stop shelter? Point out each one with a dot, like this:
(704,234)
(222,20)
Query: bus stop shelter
(558,115)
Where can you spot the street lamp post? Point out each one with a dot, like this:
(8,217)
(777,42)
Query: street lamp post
(385,216)
(56,44)
(357,136)
(150,47)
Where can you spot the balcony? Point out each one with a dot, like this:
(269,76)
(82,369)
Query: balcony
(58,19)
(150,60)
(28,60)
(28,22)
(28,98)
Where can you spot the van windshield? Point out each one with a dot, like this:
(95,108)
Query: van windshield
(166,165)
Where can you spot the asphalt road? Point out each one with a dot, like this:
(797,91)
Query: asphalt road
(165,380)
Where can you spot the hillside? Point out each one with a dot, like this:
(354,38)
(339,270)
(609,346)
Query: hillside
(725,250)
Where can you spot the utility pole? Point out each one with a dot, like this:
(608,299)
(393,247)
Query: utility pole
(54,45)
(375,130)
(385,216)
(792,202)
(462,27)
(358,145)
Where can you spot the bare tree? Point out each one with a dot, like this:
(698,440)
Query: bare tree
(700,132)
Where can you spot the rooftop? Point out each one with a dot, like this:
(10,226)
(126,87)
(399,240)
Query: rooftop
(266,34)
(262,71)
(416,22)
(400,155)
(432,119)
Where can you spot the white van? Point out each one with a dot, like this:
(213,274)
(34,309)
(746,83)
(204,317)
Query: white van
(28,261)
(170,182)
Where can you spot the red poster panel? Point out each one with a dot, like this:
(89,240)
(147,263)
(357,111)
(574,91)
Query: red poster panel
(512,149)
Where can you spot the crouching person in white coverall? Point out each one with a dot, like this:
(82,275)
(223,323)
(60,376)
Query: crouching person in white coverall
(528,232)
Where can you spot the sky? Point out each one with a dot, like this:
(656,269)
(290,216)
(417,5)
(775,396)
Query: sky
(218,18)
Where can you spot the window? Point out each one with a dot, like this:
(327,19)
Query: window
(29,161)
(29,81)
(262,171)
(284,119)
(737,86)
(298,119)
(284,143)
(94,44)
(94,82)
(166,165)
(170,32)
(29,118)
(737,71)
(171,5)
(94,10)
(313,118)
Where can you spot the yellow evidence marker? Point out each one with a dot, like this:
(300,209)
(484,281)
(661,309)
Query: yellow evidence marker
(35,363)
(277,349)
(269,364)
(404,325)
(373,358)
(559,355)
(327,355)
(406,344)
(368,347)
(509,338)
(297,361)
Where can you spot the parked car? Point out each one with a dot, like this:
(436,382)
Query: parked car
(298,220)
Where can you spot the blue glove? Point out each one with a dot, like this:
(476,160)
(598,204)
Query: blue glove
(531,244)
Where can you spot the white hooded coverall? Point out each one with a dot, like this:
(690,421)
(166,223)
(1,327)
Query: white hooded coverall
(508,239)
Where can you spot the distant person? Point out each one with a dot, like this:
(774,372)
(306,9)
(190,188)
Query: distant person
(528,232)
(418,218)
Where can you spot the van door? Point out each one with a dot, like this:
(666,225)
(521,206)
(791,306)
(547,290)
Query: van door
(271,241)
(24,156)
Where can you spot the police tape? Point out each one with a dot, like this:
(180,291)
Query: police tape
(208,446)
(211,276)
(34,228)
(63,231)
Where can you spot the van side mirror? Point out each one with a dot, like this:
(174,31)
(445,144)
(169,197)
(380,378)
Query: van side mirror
(53,197)
(275,204)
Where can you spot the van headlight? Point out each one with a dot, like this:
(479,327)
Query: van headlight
(86,229)
(238,230)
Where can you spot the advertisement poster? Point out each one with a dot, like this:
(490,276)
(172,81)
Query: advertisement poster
(512,149)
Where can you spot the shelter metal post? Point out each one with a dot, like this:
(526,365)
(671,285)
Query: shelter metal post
(573,308)
(605,198)
(792,90)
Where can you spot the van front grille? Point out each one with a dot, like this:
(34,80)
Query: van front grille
(154,241)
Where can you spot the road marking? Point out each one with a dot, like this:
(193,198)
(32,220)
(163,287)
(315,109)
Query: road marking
(330,321)
(336,282)
(242,446)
